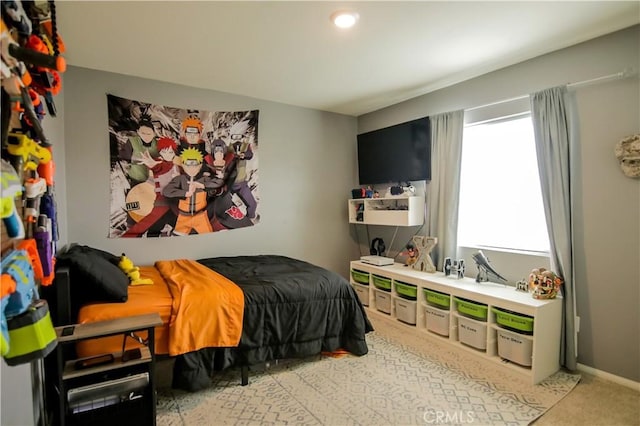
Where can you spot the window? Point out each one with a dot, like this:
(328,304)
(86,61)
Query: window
(500,197)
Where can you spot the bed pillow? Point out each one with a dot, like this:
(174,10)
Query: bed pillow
(95,275)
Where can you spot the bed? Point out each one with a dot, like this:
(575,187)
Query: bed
(263,308)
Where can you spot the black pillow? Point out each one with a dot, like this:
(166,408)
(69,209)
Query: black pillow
(95,275)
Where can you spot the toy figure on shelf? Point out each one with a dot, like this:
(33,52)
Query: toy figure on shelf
(485,269)
(412,255)
(457,268)
(424,245)
(368,192)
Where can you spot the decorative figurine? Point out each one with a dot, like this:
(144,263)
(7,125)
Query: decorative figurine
(522,285)
(412,254)
(446,268)
(544,284)
(457,268)
(424,245)
(485,268)
(368,192)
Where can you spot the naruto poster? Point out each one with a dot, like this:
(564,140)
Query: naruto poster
(178,172)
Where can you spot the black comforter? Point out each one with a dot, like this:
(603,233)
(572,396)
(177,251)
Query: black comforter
(293,309)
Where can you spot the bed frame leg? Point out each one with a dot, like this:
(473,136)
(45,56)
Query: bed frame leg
(244,372)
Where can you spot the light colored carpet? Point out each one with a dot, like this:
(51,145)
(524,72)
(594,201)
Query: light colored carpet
(405,379)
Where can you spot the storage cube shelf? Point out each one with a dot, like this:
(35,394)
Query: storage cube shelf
(514,321)
(515,347)
(490,320)
(363,293)
(437,320)
(395,211)
(472,333)
(360,277)
(406,311)
(382,283)
(472,310)
(383,301)
(406,291)
(438,299)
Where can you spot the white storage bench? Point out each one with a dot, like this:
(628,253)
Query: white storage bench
(488,319)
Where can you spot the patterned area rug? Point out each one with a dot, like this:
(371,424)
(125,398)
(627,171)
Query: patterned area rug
(406,378)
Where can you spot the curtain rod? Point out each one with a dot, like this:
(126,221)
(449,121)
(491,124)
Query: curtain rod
(627,72)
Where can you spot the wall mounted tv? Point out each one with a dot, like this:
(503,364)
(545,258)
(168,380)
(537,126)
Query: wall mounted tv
(400,153)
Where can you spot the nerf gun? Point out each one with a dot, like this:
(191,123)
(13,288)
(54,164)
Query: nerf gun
(46,80)
(35,53)
(47,231)
(45,243)
(16,16)
(17,264)
(7,286)
(35,188)
(11,188)
(28,152)
(27,330)
(16,79)
(47,170)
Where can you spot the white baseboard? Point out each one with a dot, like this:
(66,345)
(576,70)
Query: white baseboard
(611,377)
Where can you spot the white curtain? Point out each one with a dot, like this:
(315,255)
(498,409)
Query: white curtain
(551,120)
(443,192)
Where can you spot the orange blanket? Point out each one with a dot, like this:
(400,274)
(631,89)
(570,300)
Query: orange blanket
(207,307)
(143,299)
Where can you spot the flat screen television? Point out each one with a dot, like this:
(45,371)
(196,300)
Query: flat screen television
(395,154)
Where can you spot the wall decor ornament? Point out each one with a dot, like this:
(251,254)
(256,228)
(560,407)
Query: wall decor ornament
(627,152)
(180,171)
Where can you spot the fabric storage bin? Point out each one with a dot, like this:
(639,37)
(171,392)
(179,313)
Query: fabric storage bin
(514,321)
(406,310)
(406,291)
(515,347)
(360,277)
(382,283)
(363,293)
(383,301)
(472,333)
(437,320)
(435,298)
(471,309)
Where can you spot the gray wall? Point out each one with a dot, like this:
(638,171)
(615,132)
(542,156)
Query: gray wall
(306,166)
(306,160)
(607,204)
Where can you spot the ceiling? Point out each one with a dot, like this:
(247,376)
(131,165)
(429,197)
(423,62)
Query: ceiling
(289,52)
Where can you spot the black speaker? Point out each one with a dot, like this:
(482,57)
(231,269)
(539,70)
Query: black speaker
(396,190)
(377,247)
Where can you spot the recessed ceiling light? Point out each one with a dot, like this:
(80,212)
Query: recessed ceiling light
(344,18)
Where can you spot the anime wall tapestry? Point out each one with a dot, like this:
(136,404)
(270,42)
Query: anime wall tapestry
(181,172)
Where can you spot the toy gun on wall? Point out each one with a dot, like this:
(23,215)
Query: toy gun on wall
(16,79)
(11,188)
(27,152)
(46,80)
(45,243)
(35,188)
(27,330)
